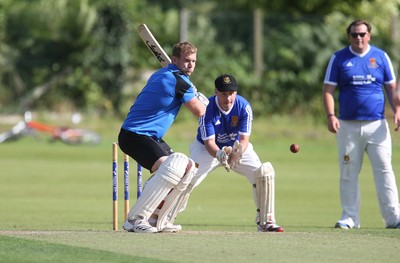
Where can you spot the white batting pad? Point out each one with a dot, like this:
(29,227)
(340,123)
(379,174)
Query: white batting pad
(180,203)
(174,167)
(265,190)
(159,185)
(173,202)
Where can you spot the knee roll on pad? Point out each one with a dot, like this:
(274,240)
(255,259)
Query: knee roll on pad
(174,167)
(266,169)
(187,177)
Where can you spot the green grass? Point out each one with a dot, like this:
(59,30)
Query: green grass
(56,204)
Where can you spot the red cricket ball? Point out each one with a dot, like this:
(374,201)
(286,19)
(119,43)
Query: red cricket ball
(294,148)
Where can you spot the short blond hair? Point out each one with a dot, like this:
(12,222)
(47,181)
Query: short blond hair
(183,48)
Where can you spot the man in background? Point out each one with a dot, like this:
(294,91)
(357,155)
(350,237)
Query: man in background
(359,72)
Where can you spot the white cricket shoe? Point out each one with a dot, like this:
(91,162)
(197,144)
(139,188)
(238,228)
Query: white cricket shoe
(139,226)
(171,228)
(346,223)
(342,225)
(269,227)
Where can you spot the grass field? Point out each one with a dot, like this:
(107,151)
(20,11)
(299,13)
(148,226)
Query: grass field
(56,204)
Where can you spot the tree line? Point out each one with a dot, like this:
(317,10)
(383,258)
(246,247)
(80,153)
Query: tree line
(86,55)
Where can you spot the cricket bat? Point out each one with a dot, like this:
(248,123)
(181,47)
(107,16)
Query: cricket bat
(155,48)
(152,43)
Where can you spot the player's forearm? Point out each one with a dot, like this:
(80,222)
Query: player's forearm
(396,97)
(393,96)
(196,107)
(211,147)
(244,142)
(328,99)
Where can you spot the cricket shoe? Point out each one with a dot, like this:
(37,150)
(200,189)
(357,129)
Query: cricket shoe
(139,226)
(269,227)
(396,226)
(171,228)
(342,225)
(168,228)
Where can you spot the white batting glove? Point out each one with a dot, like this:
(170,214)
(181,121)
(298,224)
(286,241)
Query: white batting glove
(236,155)
(201,97)
(223,156)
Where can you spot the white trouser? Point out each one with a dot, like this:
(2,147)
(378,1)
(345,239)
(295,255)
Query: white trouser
(373,137)
(249,163)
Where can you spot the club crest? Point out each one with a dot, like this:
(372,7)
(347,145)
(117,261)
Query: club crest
(372,63)
(227,80)
(234,121)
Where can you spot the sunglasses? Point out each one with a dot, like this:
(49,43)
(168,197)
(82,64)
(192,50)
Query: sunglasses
(355,35)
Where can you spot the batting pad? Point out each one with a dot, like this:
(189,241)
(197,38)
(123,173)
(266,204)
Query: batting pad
(157,188)
(265,191)
(180,204)
(176,198)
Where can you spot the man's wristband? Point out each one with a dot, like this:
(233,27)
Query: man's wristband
(330,115)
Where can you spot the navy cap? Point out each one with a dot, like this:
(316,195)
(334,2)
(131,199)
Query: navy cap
(226,82)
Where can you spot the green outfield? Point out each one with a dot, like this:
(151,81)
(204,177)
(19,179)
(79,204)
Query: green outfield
(56,204)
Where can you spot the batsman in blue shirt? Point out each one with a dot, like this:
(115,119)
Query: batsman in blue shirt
(141,137)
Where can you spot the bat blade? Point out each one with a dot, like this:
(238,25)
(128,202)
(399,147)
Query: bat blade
(152,43)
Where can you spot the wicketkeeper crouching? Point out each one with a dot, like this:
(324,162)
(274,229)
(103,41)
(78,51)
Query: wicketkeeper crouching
(223,140)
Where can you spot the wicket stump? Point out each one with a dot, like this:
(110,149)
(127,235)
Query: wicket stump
(126,184)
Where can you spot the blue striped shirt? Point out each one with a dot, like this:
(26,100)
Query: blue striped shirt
(360,79)
(225,127)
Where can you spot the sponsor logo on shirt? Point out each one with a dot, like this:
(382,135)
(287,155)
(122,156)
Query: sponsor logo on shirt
(225,138)
(362,80)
